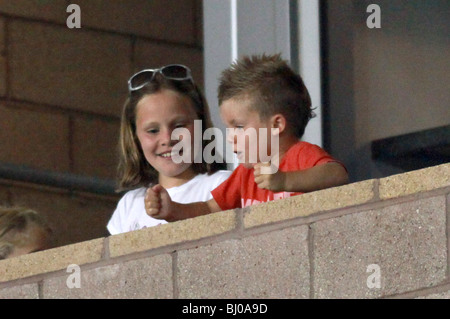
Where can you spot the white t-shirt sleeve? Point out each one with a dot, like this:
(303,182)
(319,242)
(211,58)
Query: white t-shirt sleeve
(130,211)
(115,224)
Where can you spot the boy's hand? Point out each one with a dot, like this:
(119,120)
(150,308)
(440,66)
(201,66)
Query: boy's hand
(269,177)
(158,203)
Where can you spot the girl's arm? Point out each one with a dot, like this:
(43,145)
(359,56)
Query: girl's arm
(159,205)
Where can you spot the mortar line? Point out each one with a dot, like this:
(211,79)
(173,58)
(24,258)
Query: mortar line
(420,292)
(175,272)
(310,240)
(44,107)
(6,54)
(376,191)
(40,286)
(132,57)
(170,248)
(63,25)
(105,251)
(239,214)
(71,142)
(447,232)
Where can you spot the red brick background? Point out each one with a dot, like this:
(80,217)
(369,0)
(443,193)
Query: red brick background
(62,90)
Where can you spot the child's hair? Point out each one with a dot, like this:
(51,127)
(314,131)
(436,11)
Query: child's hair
(134,170)
(16,229)
(272,86)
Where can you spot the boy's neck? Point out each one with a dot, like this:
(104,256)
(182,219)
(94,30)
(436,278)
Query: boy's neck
(285,143)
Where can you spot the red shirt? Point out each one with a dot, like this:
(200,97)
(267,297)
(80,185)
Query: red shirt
(240,189)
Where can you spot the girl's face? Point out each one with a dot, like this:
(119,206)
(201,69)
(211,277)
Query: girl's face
(157,115)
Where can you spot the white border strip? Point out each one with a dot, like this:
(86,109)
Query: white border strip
(310,63)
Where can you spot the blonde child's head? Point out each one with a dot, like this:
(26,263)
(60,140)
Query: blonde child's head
(22,231)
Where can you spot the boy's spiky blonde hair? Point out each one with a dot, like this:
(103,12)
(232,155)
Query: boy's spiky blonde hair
(273,88)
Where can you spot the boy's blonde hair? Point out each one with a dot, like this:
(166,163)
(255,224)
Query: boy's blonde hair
(134,170)
(272,86)
(16,224)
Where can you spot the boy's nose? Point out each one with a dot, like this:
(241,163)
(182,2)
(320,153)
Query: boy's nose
(231,136)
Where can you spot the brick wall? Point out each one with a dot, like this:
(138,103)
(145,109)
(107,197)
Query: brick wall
(62,90)
(317,245)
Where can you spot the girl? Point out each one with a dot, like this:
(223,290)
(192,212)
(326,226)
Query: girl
(160,101)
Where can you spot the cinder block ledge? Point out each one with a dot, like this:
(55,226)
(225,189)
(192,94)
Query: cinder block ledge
(380,238)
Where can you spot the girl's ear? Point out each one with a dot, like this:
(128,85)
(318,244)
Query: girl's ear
(278,122)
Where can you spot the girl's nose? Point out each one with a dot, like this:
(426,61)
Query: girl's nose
(166,138)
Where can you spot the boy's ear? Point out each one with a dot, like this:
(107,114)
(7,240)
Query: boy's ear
(278,121)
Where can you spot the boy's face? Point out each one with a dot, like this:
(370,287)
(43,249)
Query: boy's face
(243,131)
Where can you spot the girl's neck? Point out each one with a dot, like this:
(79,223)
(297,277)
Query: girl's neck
(174,181)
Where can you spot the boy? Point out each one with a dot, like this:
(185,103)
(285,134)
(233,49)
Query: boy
(261,93)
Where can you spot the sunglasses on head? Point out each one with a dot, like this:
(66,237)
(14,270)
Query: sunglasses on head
(177,72)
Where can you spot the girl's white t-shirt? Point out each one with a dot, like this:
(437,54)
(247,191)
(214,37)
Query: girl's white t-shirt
(130,212)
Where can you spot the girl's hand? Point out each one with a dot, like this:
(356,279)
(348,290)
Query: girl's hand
(158,203)
(267,176)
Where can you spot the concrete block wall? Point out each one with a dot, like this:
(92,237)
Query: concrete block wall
(381,238)
(62,91)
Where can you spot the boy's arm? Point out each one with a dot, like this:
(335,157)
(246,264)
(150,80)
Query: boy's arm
(312,179)
(159,205)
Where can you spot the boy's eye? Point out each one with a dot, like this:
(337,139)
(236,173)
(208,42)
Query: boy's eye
(239,127)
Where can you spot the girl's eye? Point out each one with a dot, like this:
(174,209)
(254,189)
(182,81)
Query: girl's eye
(180,125)
(152,131)
(239,127)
